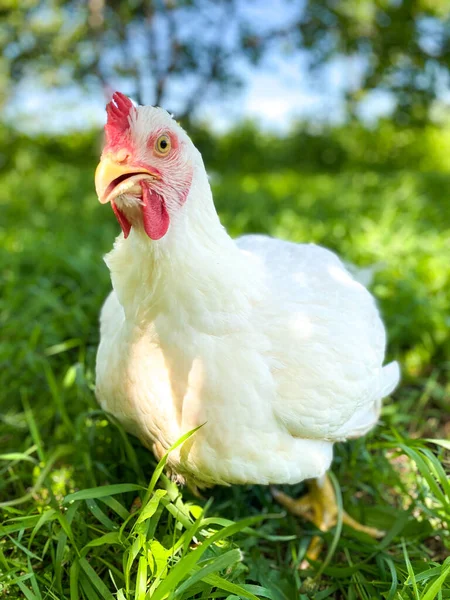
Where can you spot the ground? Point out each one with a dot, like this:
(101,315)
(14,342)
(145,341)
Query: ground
(83,512)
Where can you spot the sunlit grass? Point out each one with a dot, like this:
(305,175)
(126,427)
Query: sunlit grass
(82,516)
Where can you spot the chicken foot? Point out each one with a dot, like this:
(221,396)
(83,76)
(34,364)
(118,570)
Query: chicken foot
(320,507)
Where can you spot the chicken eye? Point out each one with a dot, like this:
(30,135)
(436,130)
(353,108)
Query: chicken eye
(163,144)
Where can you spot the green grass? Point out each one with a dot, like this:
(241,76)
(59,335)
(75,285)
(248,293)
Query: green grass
(85,515)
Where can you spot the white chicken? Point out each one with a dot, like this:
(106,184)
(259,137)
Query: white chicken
(272,346)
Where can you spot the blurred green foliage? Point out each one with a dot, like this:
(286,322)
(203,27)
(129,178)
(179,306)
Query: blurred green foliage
(352,146)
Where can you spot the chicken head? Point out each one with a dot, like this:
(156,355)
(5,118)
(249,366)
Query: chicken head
(146,167)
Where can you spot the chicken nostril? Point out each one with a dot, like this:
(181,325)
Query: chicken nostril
(122,155)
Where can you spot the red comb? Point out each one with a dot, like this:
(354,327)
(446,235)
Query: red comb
(117,110)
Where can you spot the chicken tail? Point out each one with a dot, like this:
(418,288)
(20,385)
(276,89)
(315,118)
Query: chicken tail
(365,419)
(390,379)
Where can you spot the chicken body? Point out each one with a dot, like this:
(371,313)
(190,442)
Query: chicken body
(277,350)
(272,346)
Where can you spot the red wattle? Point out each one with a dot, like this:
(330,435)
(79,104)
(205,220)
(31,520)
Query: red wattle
(123,221)
(154,213)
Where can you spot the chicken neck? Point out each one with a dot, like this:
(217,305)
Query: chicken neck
(196,274)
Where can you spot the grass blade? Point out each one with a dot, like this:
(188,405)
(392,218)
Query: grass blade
(100,515)
(435,587)
(411,575)
(218,564)
(141,579)
(111,538)
(102,491)
(151,507)
(183,567)
(73,578)
(95,580)
(162,463)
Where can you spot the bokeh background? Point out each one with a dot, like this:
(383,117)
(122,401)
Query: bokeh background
(319,121)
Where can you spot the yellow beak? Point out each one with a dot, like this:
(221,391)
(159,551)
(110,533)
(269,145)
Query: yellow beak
(109,174)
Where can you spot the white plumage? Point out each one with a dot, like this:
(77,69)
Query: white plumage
(273,346)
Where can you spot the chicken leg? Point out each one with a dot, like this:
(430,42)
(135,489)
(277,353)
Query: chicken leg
(320,507)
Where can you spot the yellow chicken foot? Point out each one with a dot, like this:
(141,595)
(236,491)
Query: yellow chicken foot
(320,507)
